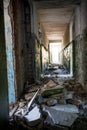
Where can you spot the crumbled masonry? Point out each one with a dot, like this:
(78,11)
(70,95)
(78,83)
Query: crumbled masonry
(55,103)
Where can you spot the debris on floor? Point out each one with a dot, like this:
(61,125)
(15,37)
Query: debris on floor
(66,108)
(53,71)
(56,103)
(53,91)
(58,117)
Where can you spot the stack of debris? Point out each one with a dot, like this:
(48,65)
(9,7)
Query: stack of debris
(52,105)
(53,71)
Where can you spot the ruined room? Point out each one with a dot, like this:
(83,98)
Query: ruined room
(43,64)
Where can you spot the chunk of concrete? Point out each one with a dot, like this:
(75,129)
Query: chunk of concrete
(34,116)
(66,108)
(62,118)
(53,91)
(52,102)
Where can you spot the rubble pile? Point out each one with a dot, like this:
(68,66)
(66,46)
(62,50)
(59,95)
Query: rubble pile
(53,71)
(55,104)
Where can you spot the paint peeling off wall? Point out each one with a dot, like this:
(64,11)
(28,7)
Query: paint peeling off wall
(10,71)
(9,50)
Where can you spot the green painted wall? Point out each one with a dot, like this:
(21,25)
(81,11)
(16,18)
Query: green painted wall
(3,74)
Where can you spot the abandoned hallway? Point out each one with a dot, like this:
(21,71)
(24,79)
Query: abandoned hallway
(43,64)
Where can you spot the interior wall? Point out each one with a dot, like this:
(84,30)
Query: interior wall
(67,58)
(18,44)
(28,52)
(37,59)
(80,42)
(37,43)
(73,35)
(44,58)
(84,40)
(78,45)
(66,37)
(73,52)
(3,74)
(24,49)
(67,51)
(41,45)
(10,50)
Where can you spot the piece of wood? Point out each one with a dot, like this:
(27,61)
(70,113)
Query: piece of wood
(13,110)
(31,101)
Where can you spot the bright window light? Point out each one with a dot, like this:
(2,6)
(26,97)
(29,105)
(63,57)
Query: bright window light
(55,49)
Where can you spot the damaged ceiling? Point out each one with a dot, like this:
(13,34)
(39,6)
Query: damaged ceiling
(55,16)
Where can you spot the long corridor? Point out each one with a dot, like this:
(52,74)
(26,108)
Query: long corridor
(43,64)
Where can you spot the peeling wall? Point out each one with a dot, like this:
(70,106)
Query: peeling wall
(80,42)
(9,52)
(78,50)
(44,58)
(81,63)
(4,109)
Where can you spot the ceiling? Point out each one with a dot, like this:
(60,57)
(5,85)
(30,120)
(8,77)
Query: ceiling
(55,16)
(55,21)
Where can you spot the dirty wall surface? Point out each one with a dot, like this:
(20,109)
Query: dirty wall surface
(9,53)
(3,73)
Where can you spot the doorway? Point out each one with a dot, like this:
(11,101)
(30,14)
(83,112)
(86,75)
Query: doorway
(55,49)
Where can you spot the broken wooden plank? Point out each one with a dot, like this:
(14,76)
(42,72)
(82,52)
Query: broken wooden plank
(31,101)
(13,110)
